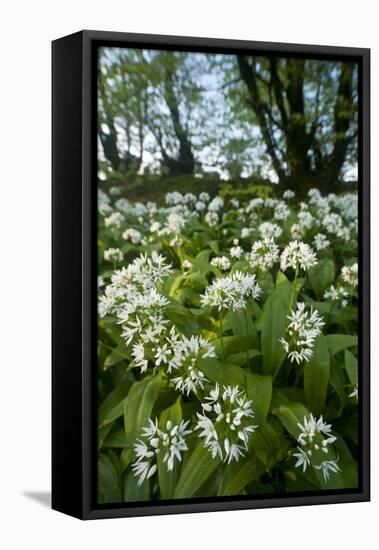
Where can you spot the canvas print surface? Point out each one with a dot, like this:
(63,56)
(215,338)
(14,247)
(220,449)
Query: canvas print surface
(227,275)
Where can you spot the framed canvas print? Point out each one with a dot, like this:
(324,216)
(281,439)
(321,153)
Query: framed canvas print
(210,274)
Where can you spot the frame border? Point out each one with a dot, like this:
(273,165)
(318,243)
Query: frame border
(77,496)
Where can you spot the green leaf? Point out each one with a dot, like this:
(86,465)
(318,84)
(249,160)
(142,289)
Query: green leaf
(108,481)
(259,389)
(239,474)
(316,375)
(120,353)
(273,328)
(222,373)
(351,366)
(243,357)
(269,444)
(133,492)
(289,413)
(339,342)
(321,275)
(113,405)
(196,471)
(168,479)
(139,404)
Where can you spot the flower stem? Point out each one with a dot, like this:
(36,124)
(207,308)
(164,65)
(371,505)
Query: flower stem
(247,331)
(221,335)
(294,287)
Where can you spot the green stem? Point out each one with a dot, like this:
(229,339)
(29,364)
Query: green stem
(221,335)
(294,287)
(247,331)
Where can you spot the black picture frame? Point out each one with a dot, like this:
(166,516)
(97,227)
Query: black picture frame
(74,274)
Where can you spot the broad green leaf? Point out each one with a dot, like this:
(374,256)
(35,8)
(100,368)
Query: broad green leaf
(168,479)
(120,353)
(239,474)
(222,373)
(321,275)
(289,413)
(243,357)
(139,404)
(316,375)
(269,444)
(259,389)
(118,440)
(113,406)
(108,481)
(196,471)
(232,344)
(273,328)
(351,366)
(339,342)
(135,492)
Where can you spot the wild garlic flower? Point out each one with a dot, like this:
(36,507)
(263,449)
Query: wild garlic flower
(320,241)
(354,393)
(143,316)
(333,223)
(303,328)
(245,232)
(328,466)
(297,255)
(175,223)
(297,231)
(216,204)
(186,264)
(226,423)
(269,230)
(221,262)
(132,235)
(337,294)
(349,274)
(200,206)
(115,219)
(113,255)
(231,292)
(306,220)
(169,442)
(281,211)
(211,218)
(264,254)
(288,194)
(314,443)
(236,251)
(188,352)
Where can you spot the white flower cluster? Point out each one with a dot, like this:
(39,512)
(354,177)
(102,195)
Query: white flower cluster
(349,275)
(113,255)
(226,423)
(264,254)
(115,219)
(231,292)
(270,230)
(221,262)
(185,365)
(297,255)
(171,442)
(303,328)
(314,442)
(337,294)
(320,241)
(132,235)
(134,298)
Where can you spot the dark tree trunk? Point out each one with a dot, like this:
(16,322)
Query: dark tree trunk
(294,167)
(185,163)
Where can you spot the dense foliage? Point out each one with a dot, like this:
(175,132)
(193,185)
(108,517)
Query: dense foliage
(227,346)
